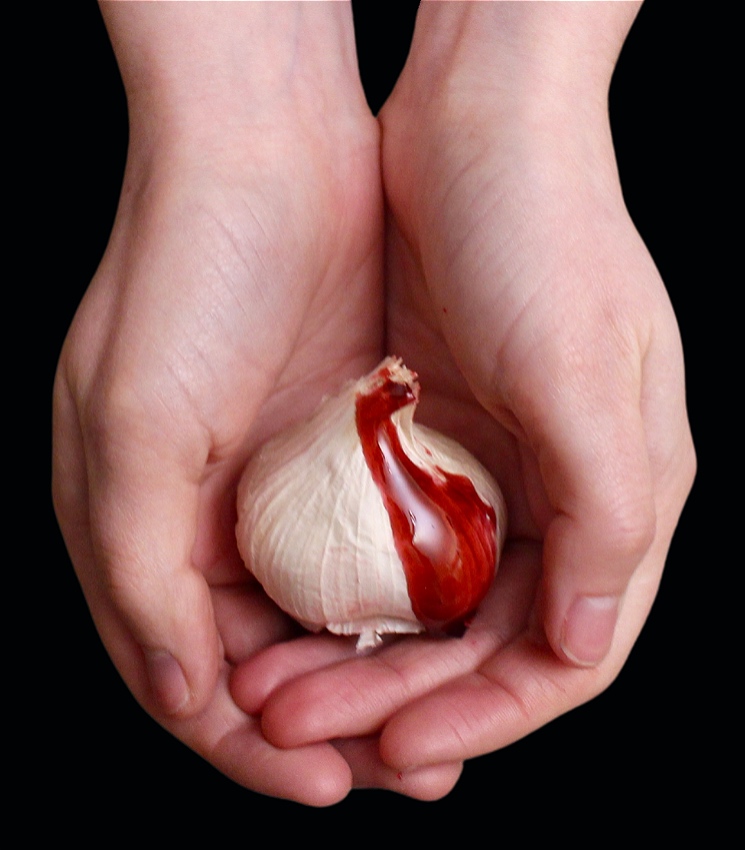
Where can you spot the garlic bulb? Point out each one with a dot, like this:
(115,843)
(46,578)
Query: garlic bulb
(364,523)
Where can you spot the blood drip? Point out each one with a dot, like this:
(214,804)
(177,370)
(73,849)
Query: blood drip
(444,533)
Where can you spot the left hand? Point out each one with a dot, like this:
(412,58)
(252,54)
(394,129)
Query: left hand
(241,283)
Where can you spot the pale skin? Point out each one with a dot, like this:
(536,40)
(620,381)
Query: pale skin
(274,239)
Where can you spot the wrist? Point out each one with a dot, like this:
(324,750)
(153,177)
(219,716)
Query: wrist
(201,72)
(533,59)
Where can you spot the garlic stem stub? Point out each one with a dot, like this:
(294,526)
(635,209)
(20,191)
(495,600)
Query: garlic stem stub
(363,522)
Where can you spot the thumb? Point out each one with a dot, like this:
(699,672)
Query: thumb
(128,506)
(590,454)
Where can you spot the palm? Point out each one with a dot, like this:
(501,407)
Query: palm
(419,330)
(291,343)
(323,327)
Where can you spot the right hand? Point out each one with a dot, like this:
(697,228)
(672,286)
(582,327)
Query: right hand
(521,293)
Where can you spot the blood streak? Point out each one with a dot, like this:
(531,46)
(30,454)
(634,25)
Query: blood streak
(444,533)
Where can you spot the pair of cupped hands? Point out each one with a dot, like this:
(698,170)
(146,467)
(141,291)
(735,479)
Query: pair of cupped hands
(273,240)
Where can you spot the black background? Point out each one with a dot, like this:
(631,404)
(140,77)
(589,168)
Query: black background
(642,748)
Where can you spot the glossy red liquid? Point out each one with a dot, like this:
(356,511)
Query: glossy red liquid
(444,533)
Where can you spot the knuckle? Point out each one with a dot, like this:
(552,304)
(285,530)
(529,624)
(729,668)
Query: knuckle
(629,526)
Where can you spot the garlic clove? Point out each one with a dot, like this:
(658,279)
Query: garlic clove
(363,522)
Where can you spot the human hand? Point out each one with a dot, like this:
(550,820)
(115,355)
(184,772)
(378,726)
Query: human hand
(522,294)
(241,283)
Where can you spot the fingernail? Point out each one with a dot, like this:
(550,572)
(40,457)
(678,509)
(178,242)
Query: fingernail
(588,629)
(167,680)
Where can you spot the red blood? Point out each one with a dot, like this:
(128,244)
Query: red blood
(444,533)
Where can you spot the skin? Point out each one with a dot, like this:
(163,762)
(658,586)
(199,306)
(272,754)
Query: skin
(262,209)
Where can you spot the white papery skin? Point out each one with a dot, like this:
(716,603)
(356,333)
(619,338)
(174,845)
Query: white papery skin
(313,527)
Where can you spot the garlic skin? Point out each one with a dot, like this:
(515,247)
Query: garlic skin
(314,526)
